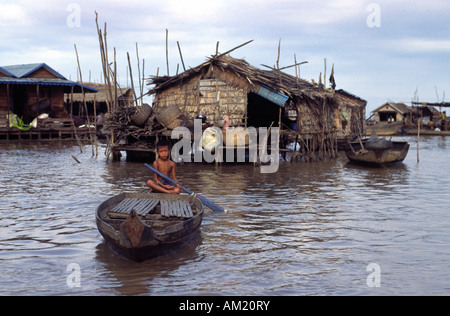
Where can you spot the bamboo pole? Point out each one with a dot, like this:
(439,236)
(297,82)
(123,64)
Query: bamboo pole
(139,71)
(181,56)
(73,124)
(278,60)
(104,62)
(108,71)
(84,101)
(418,137)
(233,49)
(323,130)
(131,77)
(95,121)
(143,80)
(167,51)
(264,144)
(116,102)
(286,67)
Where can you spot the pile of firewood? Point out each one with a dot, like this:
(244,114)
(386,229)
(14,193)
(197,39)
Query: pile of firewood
(120,126)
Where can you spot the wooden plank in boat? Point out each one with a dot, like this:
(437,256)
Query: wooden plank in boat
(189,210)
(147,206)
(186,209)
(123,205)
(131,206)
(183,206)
(176,208)
(164,208)
(173,208)
(181,209)
(141,206)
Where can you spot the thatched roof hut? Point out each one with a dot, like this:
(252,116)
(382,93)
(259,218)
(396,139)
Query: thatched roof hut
(223,86)
(124,96)
(250,96)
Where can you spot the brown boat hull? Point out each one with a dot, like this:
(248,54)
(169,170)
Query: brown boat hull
(377,157)
(137,237)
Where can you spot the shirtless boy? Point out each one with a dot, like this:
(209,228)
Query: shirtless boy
(166,166)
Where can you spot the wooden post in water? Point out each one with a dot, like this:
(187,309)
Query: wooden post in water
(418,137)
(84,101)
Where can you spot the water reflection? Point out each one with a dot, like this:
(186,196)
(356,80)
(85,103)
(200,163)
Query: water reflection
(131,278)
(311,228)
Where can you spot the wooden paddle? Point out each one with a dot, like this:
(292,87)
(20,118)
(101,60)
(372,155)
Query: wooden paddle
(204,200)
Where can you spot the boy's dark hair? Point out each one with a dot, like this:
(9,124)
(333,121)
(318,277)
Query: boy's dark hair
(163,143)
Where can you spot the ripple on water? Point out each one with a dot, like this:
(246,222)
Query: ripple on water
(309,229)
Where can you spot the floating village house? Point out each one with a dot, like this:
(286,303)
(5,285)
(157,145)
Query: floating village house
(310,114)
(32,89)
(399,112)
(392,112)
(100,99)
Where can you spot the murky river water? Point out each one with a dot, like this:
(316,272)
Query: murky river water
(310,229)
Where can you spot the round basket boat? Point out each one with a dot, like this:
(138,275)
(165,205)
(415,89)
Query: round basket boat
(142,114)
(140,226)
(169,117)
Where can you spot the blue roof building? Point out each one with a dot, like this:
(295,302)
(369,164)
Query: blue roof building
(32,89)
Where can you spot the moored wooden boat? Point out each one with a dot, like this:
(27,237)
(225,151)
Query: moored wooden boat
(376,152)
(140,226)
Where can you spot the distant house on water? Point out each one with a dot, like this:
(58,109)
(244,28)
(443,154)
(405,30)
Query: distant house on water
(32,89)
(74,101)
(392,112)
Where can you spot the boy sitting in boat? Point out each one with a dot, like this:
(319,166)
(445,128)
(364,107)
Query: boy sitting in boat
(166,166)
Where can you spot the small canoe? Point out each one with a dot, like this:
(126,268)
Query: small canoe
(376,152)
(140,226)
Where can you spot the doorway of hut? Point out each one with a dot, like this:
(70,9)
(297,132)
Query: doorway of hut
(20,100)
(388,116)
(261,112)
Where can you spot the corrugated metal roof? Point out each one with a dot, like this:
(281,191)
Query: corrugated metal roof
(17,75)
(272,95)
(20,71)
(6,72)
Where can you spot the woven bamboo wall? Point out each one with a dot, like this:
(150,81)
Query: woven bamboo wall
(210,97)
(313,118)
(346,119)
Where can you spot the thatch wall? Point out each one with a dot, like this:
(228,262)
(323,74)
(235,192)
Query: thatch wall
(221,86)
(212,98)
(312,115)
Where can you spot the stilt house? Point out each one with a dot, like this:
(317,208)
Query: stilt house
(32,89)
(392,112)
(74,102)
(250,96)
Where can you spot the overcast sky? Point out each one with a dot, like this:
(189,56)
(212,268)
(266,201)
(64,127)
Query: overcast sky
(382,50)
